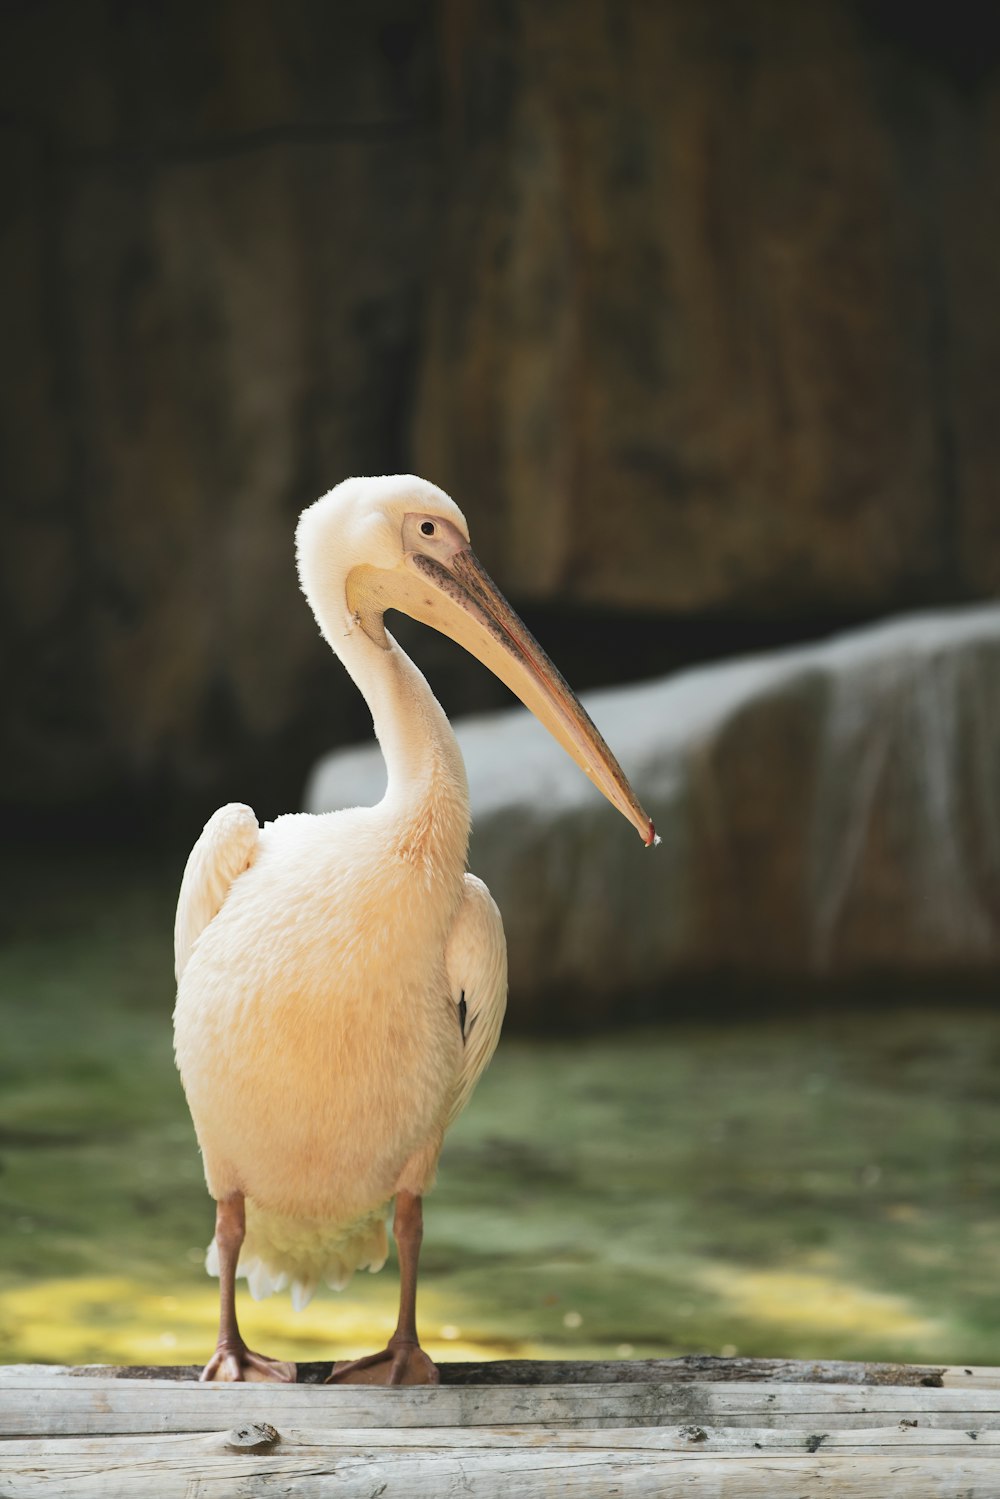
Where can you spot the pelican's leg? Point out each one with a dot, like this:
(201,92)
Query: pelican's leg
(407,1362)
(232,1359)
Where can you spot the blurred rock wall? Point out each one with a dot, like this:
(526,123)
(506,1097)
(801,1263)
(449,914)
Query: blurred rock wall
(693,307)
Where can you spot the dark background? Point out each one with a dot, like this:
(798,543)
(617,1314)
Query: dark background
(691,304)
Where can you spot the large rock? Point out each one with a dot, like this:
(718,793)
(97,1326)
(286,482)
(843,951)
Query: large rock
(827,813)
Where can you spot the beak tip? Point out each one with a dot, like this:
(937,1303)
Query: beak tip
(652,837)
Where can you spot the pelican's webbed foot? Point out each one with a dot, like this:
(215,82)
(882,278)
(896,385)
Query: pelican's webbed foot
(401,1361)
(233,1362)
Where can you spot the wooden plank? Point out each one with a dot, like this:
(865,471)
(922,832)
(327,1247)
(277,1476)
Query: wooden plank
(737,1441)
(797,1397)
(901,1432)
(97,1406)
(187,1471)
(982,1377)
(702,1368)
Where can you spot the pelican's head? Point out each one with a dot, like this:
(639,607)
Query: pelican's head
(397,542)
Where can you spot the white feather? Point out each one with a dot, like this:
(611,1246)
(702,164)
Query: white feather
(476,959)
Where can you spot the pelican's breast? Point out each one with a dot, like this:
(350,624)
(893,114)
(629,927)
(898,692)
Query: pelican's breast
(315,1031)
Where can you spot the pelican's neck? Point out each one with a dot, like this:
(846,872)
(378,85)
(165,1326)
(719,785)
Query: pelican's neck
(427,797)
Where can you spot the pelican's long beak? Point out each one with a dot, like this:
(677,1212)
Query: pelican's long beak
(457,597)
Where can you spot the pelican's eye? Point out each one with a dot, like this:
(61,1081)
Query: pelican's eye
(431,536)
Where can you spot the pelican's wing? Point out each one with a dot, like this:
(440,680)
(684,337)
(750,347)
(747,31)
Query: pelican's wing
(477,970)
(227,846)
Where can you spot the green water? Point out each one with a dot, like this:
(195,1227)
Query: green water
(816,1186)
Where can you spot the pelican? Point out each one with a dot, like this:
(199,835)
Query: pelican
(341,978)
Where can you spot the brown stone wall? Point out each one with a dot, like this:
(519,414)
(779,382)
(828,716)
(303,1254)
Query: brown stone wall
(692,306)
(718,328)
(216,235)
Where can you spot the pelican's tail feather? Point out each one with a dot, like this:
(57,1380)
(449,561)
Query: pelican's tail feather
(280,1253)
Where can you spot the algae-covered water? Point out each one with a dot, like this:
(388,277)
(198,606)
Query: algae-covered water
(821,1185)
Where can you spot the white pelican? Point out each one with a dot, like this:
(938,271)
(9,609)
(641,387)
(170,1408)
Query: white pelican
(341,978)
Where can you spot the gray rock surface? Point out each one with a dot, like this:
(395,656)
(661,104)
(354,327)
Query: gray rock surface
(830,812)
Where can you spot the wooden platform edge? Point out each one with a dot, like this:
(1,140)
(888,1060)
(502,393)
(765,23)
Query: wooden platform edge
(716,1428)
(688,1369)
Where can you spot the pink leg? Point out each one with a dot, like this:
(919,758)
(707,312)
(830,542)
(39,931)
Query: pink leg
(407,1362)
(232,1358)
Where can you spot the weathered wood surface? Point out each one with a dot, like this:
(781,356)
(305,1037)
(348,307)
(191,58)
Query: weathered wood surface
(178,1469)
(120,1407)
(613,1371)
(96,1437)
